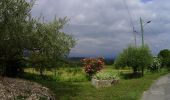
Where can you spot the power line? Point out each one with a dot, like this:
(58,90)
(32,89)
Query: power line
(130,20)
(151,29)
(152,45)
(128,11)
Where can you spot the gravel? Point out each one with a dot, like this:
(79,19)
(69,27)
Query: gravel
(19,89)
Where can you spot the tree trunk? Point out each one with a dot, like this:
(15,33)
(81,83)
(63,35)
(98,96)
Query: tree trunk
(41,72)
(142,71)
(134,71)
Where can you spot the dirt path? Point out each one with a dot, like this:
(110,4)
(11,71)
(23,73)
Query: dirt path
(160,90)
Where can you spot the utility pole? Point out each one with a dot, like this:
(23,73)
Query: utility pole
(142,31)
(134,32)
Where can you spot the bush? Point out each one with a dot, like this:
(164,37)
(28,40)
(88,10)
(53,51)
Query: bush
(92,65)
(136,57)
(106,75)
(156,65)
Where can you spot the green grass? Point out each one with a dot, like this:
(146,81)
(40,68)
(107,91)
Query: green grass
(126,89)
(131,89)
(64,74)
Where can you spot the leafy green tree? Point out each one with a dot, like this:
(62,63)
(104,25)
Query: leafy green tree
(164,55)
(14,18)
(136,57)
(50,44)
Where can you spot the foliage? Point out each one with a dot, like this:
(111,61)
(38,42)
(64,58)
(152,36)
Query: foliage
(14,20)
(65,74)
(164,55)
(51,44)
(50,41)
(20,32)
(92,65)
(136,57)
(106,75)
(156,65)
(109,61)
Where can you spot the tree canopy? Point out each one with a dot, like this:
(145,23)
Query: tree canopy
(164,55)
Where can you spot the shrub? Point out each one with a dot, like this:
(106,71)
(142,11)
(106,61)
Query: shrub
(156,65)
(92,65)
(106,75)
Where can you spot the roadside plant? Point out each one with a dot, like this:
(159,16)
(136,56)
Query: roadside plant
(156,65)
(92,65)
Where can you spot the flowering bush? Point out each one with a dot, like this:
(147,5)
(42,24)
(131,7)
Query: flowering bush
(92,65)
(156,65)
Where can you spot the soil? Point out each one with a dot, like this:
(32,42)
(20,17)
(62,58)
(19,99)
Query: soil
(19,89)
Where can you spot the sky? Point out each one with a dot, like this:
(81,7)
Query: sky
(103,27)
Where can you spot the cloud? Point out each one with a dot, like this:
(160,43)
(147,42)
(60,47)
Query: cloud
(102,27)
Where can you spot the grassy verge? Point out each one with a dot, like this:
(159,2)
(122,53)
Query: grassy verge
(126,89)
(64,74)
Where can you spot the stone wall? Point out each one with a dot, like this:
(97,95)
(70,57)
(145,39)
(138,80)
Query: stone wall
(103,83)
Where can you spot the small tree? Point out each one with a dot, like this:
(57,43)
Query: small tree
(136,57)
(164,55)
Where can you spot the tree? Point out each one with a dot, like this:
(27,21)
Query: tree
(136,57)
(20,32)
(50,44)
(14,16)
(164,55)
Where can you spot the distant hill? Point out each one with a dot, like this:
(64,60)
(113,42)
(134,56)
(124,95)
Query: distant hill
(108,61)
(75,58)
